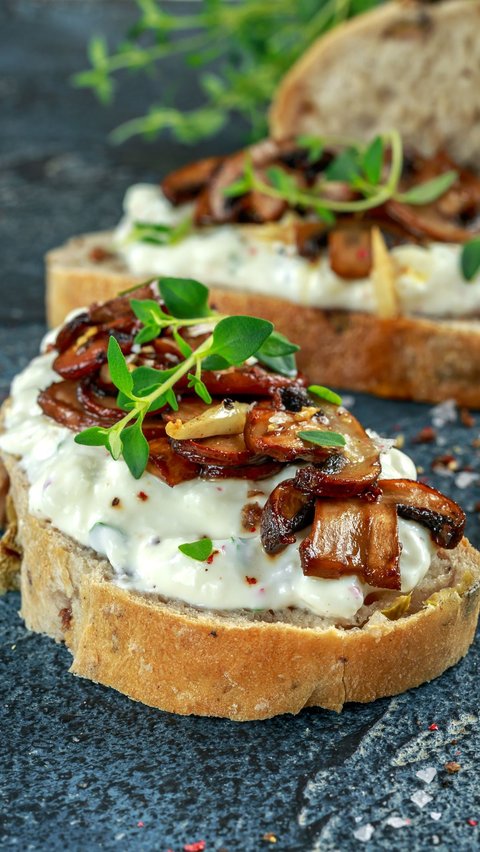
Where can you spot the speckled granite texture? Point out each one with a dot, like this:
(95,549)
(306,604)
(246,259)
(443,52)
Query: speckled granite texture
(84,768)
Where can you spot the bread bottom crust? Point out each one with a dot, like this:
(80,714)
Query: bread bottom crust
(405,357)
(185,660)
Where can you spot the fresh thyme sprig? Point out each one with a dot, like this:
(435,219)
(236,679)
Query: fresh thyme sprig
(361,167)
(233,339)
(251,43)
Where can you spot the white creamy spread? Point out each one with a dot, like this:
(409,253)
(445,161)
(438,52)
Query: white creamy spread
(429,279)
(73,487)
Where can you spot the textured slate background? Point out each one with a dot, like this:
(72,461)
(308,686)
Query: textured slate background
(85,768)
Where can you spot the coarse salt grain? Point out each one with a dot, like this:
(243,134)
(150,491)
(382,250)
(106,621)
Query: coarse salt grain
(398,822)
(364,833)
(420,798)
(427,774)
(435,815)
(445,412)
(465,478)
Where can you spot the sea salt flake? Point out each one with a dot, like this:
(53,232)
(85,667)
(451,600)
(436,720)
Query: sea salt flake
(445,412)
(420,798)
(465,478)
(398,822)
(364,833)
(435,815)
(427,774)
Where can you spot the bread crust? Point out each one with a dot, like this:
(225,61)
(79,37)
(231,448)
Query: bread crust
(405,357)
(369,75)
(185,660)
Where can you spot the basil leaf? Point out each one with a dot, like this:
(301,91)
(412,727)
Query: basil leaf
(345,167)
(470,259)
(96,436)
(429,191)
(119,372)
(184,297)
(237,338)
(135,449)
(323,439)
(325,393)
(199,550)
(372,161)
(277,353)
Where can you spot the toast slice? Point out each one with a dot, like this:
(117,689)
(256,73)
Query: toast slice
(237,665)
(402,357)
(410,65)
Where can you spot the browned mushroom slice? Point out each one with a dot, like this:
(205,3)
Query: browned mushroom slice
(418,502)
(258,208)
(94,399)
(353,537)
(286,511)
(185,183)
(168,465)
(73,329)
(59,401)
(274,433)
(84,358)
(350,252)
(247,381)
(221,451)
(311,239)
(341,477)
(454,216)
(254,471)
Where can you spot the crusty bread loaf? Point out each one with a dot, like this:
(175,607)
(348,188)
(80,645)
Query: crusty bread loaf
(405,357)
(237,665)
(409,65)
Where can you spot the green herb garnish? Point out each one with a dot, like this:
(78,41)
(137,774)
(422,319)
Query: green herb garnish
(199,550)
(144,389)
(325,393)
(323,439)
(253,43)
(359,166)
(160,235)
(470,259)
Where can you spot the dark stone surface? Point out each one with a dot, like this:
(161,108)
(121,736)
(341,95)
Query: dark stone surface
(85,768)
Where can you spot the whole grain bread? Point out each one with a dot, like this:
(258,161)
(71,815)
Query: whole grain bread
(414,66)
(404,357)
(237,665)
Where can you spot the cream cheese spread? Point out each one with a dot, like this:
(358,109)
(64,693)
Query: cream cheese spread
(429,279)
(138,524)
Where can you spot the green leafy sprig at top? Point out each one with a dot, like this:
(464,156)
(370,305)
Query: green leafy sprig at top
(243,46)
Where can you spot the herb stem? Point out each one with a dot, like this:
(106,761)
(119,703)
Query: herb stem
(184,368)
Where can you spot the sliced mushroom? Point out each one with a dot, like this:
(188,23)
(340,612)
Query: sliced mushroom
(418,502)
(255,470)
(286,511)
(223,451)
(353,537)
(350,252)
(60,402)
(87,354)
(168,465)
(185,183)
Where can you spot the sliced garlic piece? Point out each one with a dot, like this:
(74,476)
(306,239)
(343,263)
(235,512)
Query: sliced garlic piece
(383,277)
(228,418)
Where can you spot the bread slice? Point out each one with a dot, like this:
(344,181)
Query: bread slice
(404,357)
(414,66)
(238,665)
